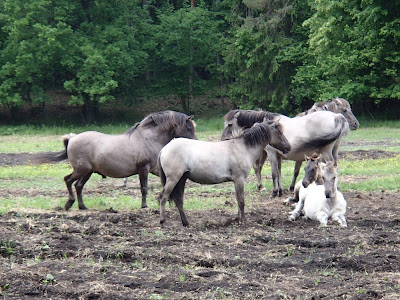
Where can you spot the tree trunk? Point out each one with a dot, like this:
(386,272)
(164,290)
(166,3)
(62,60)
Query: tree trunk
(89,110)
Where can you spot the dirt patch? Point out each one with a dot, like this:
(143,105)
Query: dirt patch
(13,159)
(125,255)
(113,254)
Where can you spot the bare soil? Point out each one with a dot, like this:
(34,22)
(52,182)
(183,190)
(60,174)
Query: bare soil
(126,255)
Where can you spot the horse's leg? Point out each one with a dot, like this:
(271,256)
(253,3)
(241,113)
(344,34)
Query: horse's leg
(69,180)
(280,189)
(340,218)
(322,218)
(79,187)
(273,160)
(239,188)
(296,171)
(258,165)
(143,178)
(335,150)
(299,207)
(168,188)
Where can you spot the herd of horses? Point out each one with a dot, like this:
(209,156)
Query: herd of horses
(165,144)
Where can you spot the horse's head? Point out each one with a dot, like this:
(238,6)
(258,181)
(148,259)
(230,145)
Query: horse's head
(312,169)
(235,121)
(185,128)
(277,138)
(342,106)
(231,126)
(329,176)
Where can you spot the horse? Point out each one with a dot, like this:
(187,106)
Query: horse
(319,202)
(313,173)
(133,152)
(215,162)
(337,105)
(319,132)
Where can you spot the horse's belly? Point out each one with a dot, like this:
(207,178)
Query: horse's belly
(209,180)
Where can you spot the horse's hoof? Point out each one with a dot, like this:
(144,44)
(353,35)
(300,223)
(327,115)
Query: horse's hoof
(144,206)
(68,205)
(82,207)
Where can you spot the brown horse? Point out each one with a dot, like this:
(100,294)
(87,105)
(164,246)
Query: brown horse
(133,152)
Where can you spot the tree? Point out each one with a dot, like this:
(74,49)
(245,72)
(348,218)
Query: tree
(353,52)
(188,44)
(35,35)
(263,51)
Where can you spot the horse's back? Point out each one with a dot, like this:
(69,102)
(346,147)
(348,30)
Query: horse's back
(107,154)
(206,162)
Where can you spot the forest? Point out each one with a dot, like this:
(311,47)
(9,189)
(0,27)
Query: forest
(276,55)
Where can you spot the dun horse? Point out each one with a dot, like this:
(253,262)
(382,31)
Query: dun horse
(215,162)
(320,132)
(133,152)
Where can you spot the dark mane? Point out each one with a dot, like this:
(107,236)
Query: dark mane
(247,118)
(329,105)
(258,134)
(165,119)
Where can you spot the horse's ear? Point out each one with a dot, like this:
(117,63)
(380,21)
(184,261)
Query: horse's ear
(154,120)
(237,114)
(265,119)
(306,157)
(190,117)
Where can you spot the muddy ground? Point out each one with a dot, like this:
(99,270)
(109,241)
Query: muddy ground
(125,255)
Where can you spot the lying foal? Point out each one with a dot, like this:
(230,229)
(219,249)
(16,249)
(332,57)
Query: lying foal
(320,202)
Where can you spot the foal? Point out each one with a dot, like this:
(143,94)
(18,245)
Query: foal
(320,202)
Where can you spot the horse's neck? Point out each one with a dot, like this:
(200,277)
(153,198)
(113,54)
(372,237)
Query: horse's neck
(319,180)
(155,135)
(252,152)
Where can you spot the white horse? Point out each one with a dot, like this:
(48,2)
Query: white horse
(214,162)
(320,202)
(319,132)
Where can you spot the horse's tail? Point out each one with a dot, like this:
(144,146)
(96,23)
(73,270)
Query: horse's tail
(54,157)
(341,129)
(177,193)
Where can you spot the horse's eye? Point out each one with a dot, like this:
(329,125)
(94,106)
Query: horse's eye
(229,125)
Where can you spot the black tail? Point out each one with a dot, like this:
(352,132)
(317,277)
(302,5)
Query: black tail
(342,128)
(53,157)
(177,193)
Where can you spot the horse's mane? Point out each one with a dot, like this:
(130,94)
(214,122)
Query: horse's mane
(259,133)
(165,119)
(330,166)
(329,105)
(246,118)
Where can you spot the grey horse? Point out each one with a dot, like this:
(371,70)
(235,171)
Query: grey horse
(133,152)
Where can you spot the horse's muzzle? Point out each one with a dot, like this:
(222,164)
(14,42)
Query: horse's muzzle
(305,183)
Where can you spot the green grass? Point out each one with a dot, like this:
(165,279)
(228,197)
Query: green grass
(43,185)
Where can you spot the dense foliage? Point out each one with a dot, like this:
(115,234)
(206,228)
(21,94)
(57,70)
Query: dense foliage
(279,55)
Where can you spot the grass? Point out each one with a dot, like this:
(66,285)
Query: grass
(43,186)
